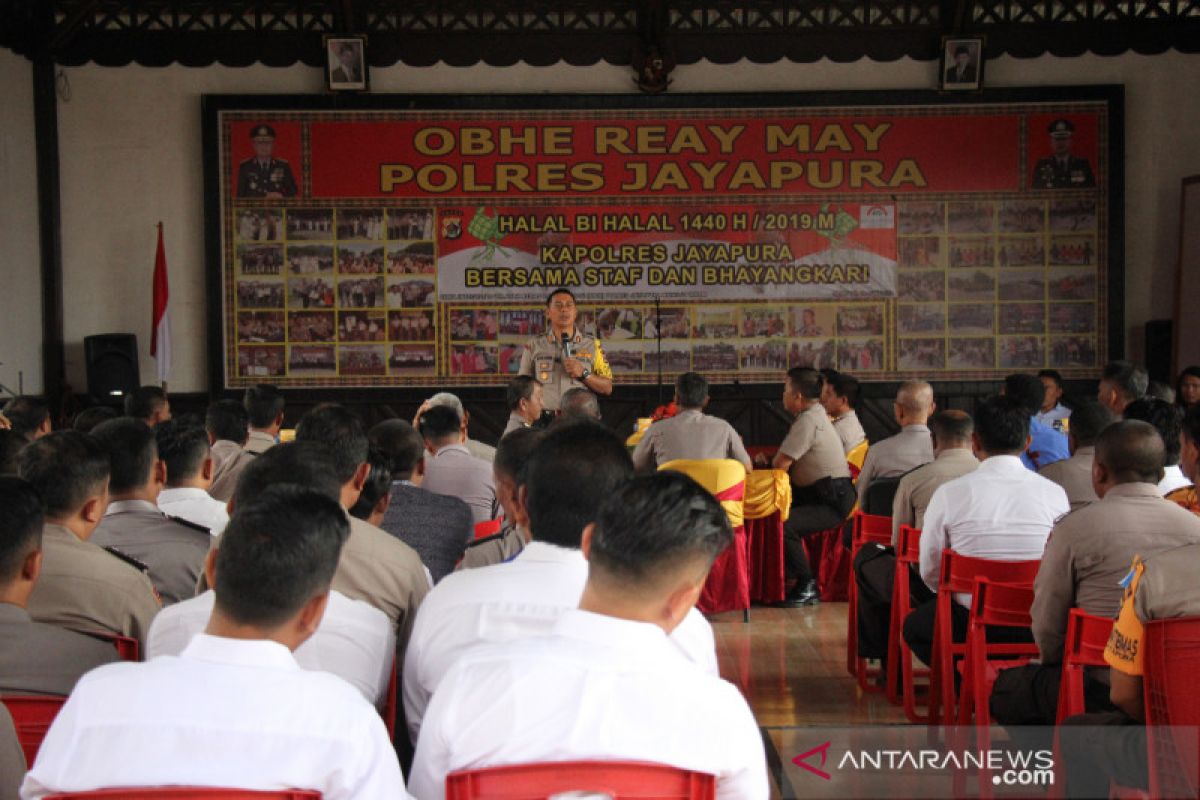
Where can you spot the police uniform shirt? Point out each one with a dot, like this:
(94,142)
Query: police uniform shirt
(259,442)
(1070,172)
(196,506)
(1000,511)
(494,549)
(36,658)
(523,597)
(690,434)
(172,549)
(916,488)
(814,447)
(229,459)
(515,423)
(849,430)
(84,587)
(1163,586)
(1090,551)
(454,472)
(596,688)
(1074,475)
(896,455)
(259,177)
(225,712)
(543,359)
(12,757)
(481,450)
(354,641)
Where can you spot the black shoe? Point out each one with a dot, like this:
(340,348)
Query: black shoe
(805,594)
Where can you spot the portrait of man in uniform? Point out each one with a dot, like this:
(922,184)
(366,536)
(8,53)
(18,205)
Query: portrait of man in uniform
(264,175)
(962,64)
(345,63)
(1063,169)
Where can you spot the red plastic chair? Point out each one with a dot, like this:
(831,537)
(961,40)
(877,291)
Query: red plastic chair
(958,575)
(867,528)
(488,528)
(32,716)
(390,704)
(621,780)
(188,793)
(1172,661)
(1087,635)
(902,674)
(992,604)
(128,648)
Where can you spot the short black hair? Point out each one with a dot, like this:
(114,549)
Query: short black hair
(951,425)
(1132,450)
(21,519)
(11,444)
(228,420)
(131,450)
(569,475)
(1002,424)
(439,423)
(308,465)
(1053,375)
(66,468)
(691,390)
(1166,418)
(278,553)
(1128,378)
(26,414)
(1088,419)
(845,386)
(1026,389)
(144,401)
(339,429)
(807,381)
(520,388)
(558,291)
(87,420)
(651,527)
(578,403)
(183,448)
(513,452)
(378,484)
(263,403)
(402,445)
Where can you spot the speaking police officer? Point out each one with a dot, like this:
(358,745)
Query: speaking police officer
(563,357)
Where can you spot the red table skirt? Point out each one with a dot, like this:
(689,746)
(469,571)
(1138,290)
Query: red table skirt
(766,559)
(728,584)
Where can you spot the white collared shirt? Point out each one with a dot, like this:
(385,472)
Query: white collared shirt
(194,505)
(598,688)
(1173,479)
(1001,512)
(225,712)
(355,641)
(514,600)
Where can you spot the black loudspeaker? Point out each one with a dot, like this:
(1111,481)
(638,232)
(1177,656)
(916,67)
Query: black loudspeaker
(112,366)
(1159,341)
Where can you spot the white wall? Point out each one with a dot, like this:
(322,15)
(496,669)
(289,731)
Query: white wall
(131,155)
(20,276)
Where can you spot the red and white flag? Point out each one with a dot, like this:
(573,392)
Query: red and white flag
(160,339)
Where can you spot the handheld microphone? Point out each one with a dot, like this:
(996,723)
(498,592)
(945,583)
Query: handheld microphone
(566,345)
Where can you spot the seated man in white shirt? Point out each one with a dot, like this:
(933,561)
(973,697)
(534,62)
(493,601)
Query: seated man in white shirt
(1000,511)
(355,640)
(1167,419)
(570,474)
(188,457)
(234,709)
(606,683)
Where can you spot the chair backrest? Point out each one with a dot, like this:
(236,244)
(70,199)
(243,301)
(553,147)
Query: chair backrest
(128,648)
(872,528)
(723,478)
(487,528)
(1172,660)
(620,780)
(959,572)
(908,548)
(1001,604)
(856,457)
(187,793)
(32,716)
(1087,636)
(880,494)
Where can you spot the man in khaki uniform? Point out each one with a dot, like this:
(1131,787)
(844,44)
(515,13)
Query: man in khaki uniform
(564,357)
(838,397)
(228,427)
(1074,474)
(1088,552)
(691,433)
(512,453)
(909,448)
(875,565)
(35,658)
(822,492)
(264,409)
(173,549)
(81,586)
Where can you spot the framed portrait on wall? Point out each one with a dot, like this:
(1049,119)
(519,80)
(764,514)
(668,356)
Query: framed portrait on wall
(962,64)
(346,63)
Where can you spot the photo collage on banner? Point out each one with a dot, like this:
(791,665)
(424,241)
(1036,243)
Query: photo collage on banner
(324,293)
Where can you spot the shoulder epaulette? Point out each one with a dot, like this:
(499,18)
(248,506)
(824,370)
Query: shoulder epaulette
(128,559)
(187,523)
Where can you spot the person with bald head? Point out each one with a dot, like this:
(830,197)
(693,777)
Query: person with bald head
(909,448)
(1087,555)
